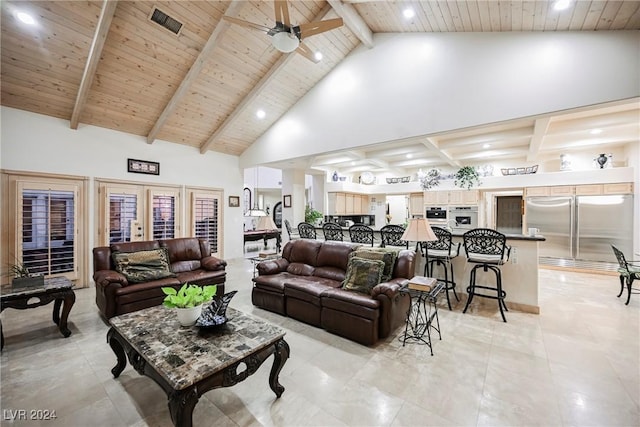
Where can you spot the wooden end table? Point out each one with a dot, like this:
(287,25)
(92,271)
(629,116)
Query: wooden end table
(58,289)
(187,361)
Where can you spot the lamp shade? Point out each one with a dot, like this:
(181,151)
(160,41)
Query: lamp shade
(266,223)
(418,230)
(255,212)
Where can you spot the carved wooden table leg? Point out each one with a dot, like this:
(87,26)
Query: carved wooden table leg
(280,356)
(181,405)
(67,299)
(116,346)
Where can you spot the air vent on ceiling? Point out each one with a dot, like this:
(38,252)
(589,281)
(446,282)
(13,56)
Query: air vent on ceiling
(171,24)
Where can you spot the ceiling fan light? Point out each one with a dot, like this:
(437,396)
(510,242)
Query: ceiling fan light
(285,42)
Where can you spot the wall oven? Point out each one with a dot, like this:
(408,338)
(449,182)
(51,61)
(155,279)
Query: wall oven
(437,216)
(463,218)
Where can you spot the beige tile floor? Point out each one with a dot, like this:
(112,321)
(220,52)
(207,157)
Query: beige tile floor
(575,364)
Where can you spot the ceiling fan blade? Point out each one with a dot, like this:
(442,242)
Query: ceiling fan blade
(246,23)
(312,28)
(282,12)
(304,50)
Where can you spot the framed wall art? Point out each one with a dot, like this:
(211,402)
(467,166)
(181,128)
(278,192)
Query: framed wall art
(286,201)
(143,166)
(234,201)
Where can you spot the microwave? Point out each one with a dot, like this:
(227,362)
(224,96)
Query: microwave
(437,214)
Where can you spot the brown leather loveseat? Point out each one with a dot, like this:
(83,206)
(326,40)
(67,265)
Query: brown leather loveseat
(190,260)
(306,284)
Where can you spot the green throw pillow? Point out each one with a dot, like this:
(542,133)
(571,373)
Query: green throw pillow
(143,266)
(388,256)
(362,275)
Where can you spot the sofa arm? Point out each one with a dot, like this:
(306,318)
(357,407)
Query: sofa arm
(389,289)
(212,263)
(272,267)
(105,277)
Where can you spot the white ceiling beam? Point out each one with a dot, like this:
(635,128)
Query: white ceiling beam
(253,94)
(95,51)
(433,146)
(539,131)
(194,71)
(353,21)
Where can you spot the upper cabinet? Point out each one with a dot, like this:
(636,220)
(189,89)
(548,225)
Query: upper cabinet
(347,204)
(580,190)
(451,197)
(416,203)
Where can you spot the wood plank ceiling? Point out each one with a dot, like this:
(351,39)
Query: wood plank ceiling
(202,87)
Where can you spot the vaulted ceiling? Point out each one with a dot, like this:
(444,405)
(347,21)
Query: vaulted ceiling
(109,64)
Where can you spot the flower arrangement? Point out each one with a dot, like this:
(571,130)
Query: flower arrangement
(430,179)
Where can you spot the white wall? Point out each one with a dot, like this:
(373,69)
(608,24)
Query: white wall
(423,83)
(33,142)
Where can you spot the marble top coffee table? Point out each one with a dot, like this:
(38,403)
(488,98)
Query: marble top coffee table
(189,361)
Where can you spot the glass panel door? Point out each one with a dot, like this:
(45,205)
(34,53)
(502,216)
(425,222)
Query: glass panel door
(206,218)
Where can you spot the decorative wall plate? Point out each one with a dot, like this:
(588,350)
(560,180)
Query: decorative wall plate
(367,178)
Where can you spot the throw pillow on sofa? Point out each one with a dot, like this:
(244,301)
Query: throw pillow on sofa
(362,275)
(388,256)
(143,266)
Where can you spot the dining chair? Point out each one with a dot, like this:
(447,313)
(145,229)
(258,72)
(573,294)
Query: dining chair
(487,248)
(306,230)
(360,233)
(293,234)
(332,231)
(629,271)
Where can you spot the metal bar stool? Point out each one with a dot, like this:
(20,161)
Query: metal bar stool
(332,231)
(306,230)
(440,252)
(488,249)
(360,233)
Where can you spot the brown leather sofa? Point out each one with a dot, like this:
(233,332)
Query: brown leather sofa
(190,259)
(305,284)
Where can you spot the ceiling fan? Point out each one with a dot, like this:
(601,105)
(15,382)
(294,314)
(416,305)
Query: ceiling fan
(286,37)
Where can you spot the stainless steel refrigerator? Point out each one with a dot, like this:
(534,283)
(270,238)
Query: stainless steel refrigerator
(582,228)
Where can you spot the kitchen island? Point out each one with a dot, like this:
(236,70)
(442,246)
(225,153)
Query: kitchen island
(519,274)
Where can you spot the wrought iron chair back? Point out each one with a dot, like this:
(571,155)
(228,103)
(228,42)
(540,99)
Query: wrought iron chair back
(444,240)
(392,236)
(360,233)
(292,234)
(332,231)
(486,245)
(440,253)
(306,230)
(629,271)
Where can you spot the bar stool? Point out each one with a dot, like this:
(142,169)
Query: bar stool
(391,235)
(360,233)
(441,252)
(306,230)
(332,231)
(488,249)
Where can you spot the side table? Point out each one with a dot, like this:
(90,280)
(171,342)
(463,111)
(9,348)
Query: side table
(424,310)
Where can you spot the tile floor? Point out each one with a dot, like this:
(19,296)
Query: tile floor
(575,364)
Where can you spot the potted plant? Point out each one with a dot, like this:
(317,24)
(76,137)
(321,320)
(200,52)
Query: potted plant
(188,301)
(466,177)
(311,215)
(23,278)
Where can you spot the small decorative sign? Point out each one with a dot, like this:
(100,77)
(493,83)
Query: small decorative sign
(143,166)
(234,201)
(287,201)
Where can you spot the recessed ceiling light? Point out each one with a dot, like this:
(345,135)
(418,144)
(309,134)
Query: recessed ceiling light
(353,163)
(408,13)
(409,156)
(25,18)
(485,146)
(561,4)
(318,56)
(260,114)
(595,131)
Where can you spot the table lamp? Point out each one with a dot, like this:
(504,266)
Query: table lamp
(266,223)
(418,230)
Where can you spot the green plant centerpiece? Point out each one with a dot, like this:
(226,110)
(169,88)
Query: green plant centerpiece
(188,301)
(23,278)
(311,215)
(466,177)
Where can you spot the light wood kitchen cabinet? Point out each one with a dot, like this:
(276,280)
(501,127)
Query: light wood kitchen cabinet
(536,191)
(430,198)
(451,197)
(416,203)
(347,204)
(442,198)
(589,190)
(364,204)
(348,198)
(562,190)
(618,188)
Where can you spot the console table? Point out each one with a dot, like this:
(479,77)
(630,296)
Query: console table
(58,289)
(252,236)
(187,361)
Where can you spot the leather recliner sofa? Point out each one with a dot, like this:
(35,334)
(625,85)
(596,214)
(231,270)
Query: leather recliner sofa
(305,284)
(190,260)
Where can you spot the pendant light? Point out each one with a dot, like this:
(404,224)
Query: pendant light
(255,210)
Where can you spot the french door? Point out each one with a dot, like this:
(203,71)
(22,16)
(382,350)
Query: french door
(205,217)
